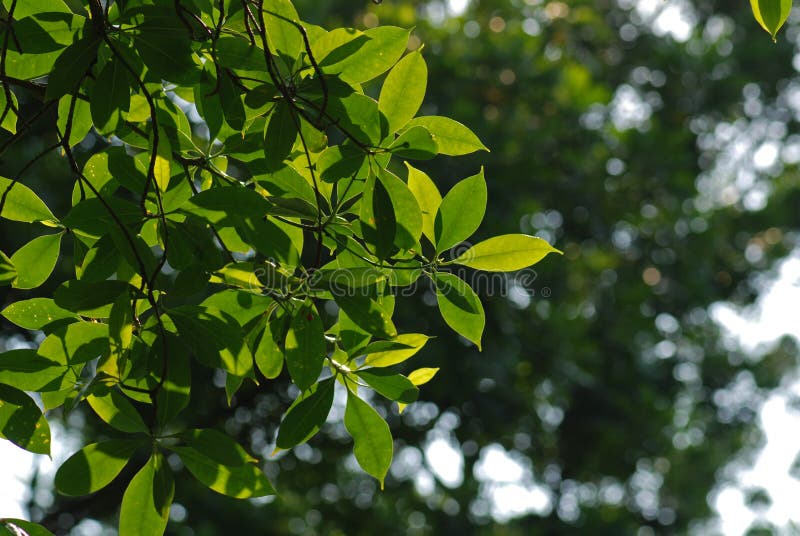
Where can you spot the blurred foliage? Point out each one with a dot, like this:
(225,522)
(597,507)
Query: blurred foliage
(610,135)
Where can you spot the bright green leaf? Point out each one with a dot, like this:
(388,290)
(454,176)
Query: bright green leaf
(460,307)
(21,204)
(117,411)
(506,253)
(147,500)
(371,437)
(452,137)
(461,212)
(94,466)
(403,91)
(771,14)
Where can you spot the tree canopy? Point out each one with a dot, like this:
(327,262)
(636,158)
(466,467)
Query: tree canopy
(606,385)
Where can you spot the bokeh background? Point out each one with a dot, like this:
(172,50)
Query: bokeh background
(644,383)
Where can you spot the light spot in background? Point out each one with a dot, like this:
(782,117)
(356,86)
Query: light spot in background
(508,489)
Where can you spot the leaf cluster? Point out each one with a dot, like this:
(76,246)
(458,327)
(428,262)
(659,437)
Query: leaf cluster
(253,210)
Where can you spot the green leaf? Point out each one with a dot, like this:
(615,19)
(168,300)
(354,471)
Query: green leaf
(305,346)
(7,111)
(8,273)
(75,343)
(89,298)
(36,313)
(117,411)
(163,164)
(306,415)
(21,204)
(215,337)
(358,57)
(94,466)
(22,422)
(428,198)
(390,215)
(771,14)
(219,205)
(422,376)
(269,354)
(284,37)
(279,135)
(238,53)
(452,137)
(71,66)
(371,437)
(389,384)
(367,314)
(174,394)
(217,446)
(415,143)
(506,253)
(460,307)
(147,500)
(164,46)
(397,350)
(26,370)
(112,94)
(403,91)
(461,212)
(27,528)
(221,464)
(36,260)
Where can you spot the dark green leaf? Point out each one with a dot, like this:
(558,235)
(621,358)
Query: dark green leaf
(305,346)
(306,415)
(71,66)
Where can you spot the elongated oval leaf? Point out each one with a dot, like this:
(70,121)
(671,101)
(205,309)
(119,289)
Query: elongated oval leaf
(428,198)
(22,422)
(305,346)
(36,260)
(71,66)
(506,253)
(390,384)
(371,437)
(452,137)
(461,212)
(394,351)
(36,313)
(306,415)
(460,307)
(94,466)
(403,91)
(21,204)
(147,500)
(239,481)
(771,14)
(118,412)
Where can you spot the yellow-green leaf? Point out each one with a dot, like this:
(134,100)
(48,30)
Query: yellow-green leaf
(506,253)
(771,14)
